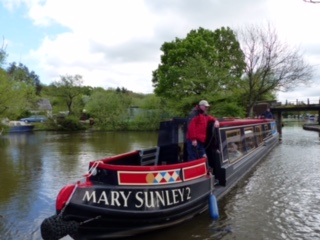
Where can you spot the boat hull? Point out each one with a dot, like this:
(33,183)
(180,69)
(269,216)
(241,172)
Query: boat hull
(21,129)
(114,212)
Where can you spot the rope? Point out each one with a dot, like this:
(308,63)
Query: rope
(93,167)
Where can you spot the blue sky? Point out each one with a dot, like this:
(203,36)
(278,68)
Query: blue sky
(20,35)
(115,43)
(20,30)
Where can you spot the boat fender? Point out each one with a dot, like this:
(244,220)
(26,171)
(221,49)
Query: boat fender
(213,207)
(55,228)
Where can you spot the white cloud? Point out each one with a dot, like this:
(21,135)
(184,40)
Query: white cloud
(109,43)
(117,42)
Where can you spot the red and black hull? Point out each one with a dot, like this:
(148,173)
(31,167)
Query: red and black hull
(175,204)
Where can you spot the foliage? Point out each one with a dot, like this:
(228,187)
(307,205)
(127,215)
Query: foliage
(138,99)
(68,90)
(150,101)
(146,120)
(122,90)
(109,108)
(70,123)
(229,109)
(151,111)
(15,97)
(199,66)
(3,56)
(21,73)
(271,65)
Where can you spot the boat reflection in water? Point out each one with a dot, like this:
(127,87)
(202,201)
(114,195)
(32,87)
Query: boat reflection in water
(149,189)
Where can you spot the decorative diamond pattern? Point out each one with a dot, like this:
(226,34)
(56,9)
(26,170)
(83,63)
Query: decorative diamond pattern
(167,177)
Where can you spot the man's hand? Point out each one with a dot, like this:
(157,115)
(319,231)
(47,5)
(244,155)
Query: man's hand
(194,143)
(216,124)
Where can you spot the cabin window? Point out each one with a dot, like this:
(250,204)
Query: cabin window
(258,134)
(266,130)
(249,138)
(223,141)
(234,145)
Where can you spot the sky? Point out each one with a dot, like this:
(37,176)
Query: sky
(116,43)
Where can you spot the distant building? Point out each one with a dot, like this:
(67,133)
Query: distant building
(44,105)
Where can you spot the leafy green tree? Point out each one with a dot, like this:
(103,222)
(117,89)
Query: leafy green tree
(203,65)
(3,56)
(15,96)
(109,108)
(271,65)
(69,91)
(230,109)
(122,90)
(151,101)
(21,73)
(152,110)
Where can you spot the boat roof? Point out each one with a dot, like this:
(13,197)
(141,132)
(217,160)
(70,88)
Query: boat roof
(227,122)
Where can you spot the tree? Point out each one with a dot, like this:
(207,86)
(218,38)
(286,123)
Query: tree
(21,73)
(203,65)
(109,108)
(151,101)
(2,56)
(15,96)
(67,90)
(271,65)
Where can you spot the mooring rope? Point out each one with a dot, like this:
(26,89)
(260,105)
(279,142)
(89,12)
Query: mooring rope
(93,167)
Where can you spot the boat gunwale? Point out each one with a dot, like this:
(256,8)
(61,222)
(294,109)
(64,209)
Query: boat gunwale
(106,164)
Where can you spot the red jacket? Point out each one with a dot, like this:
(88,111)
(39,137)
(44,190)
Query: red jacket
(197,129)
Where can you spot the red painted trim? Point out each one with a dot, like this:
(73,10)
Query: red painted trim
(194,172)
(149,168)
(64,196)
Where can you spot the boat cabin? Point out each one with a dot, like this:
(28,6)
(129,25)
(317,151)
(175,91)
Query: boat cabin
(232,141)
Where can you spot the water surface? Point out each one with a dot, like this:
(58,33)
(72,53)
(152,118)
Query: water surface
(278,199)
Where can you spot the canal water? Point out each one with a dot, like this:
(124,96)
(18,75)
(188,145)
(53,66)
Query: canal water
(278,199)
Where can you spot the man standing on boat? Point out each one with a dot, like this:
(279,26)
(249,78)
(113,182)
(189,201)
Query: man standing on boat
(267,114)
(197,130)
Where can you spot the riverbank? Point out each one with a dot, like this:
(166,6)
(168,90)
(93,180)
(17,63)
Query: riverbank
(311,127)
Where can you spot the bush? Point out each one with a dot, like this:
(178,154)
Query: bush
(70,123)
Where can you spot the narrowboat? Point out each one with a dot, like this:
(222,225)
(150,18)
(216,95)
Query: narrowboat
(149,189)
